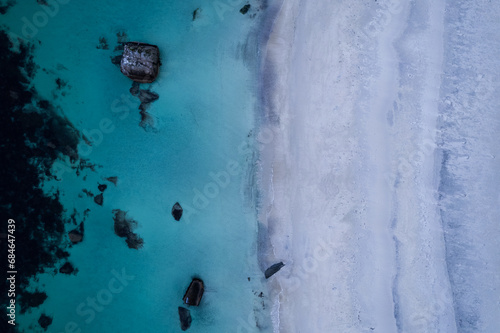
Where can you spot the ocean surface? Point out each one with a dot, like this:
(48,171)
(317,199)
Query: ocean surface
(194,146)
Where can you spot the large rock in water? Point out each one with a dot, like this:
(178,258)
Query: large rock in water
(185,318)
(140,61)
(194,292)
(273,269)
(177,211)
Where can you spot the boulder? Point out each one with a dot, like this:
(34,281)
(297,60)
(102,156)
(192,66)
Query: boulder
(177,211)
(102,187)
(273,269)
(194,292)
(185,318)
(76,235)
(140,62)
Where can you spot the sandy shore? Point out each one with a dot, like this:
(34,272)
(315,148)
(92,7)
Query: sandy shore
(350,181)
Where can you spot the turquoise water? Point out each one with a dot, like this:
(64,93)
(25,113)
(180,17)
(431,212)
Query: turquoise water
(203,118)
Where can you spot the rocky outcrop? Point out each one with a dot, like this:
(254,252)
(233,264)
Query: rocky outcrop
(194,292)
(177,211)
(76,235)
(185,318)
(140,62)
(273,269)
(123,228)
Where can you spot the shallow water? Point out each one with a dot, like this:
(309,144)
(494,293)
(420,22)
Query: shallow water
(197,150)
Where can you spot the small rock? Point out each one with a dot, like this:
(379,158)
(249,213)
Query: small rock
(195,13)
(113,180)
(116,60)
(273,269)
(185,318)
(67,268)
(76,235)
(44,321)
(102,187)
(245,9)
(177,211)
(98,199)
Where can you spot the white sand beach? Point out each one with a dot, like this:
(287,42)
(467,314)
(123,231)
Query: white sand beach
(353,153)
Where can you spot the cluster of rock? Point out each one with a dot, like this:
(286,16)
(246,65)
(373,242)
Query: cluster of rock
(124,227)
(192,297)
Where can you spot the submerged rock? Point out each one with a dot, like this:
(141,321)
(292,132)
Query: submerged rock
(67,268)
(76,235)
(123,228)
(194,292)
(245,9)
(113,180)
(185,318)
(98,199)
(273,269)
(102,187)
(44,321)
(177,211)
(147,96)
(140,62)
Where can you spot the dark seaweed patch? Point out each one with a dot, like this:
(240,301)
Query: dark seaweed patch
(33,136)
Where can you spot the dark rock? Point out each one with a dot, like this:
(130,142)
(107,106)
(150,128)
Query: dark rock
(177,211)
(116,60)
(76,235)
(102,187)
(273,269)
(98,199)
(140,62)
(113,180)
(67,268)
(134,90)
(31,300)
(194,292)
(195,13)
(245,9)
(185,318)
(44,321)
